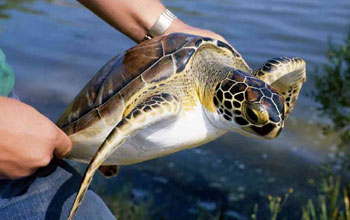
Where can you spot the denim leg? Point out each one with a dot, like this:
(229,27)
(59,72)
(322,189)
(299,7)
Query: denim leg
(48,195)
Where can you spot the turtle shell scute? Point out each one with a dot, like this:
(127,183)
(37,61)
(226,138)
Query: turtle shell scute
(124,71)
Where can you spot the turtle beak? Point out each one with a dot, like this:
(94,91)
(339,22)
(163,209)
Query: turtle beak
(268,131)
(274,133)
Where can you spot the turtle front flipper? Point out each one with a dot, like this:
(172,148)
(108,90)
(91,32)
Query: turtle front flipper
(109,170)
(151,111)
(286,75)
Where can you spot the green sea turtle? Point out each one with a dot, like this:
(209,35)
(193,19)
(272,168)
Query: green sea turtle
(172,93)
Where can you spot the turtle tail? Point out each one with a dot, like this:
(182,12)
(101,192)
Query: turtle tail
(114,140)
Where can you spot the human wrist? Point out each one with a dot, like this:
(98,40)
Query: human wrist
(177,26)
(144,16)
(163,22)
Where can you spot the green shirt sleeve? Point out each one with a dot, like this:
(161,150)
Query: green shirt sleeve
(7,76)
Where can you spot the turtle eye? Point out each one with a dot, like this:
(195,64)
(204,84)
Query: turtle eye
(256,114)
(252,116)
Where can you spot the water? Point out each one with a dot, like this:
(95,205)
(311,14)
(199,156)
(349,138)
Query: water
(56,46)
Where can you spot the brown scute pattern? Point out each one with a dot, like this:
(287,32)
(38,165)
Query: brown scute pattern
(228,95)
(228,105)
(267,103)
(87,120)
(227,84)
(239,97)
(69,128)
(222,44)
(236,76)
(236,104)
(148,43)
(224,98)
(182,57)
(267,92)
(178,40)
(128,91)
(272,89)
(120,75)
(134,63)
(85,100)
(278,100)
(274,114)
(220,95)
(239,87)
(253,95)
(163,69)
(112,109)
(198,42)
(191,40)
(255,82)
(120,71)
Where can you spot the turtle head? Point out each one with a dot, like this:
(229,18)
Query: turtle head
(249,106)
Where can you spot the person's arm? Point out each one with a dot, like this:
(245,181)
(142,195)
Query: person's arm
(135,17)
(28,140)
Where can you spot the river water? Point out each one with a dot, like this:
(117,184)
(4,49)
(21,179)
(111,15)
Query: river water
(56,46)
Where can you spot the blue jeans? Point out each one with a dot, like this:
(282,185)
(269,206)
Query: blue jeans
(48,194)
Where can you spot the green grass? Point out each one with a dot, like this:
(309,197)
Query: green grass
(332,203)
(277,203)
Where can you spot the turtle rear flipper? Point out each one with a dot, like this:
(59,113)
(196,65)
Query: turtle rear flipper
(154,109)
(109,170)
(286,75)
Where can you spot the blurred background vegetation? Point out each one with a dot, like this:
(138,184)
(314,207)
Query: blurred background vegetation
(332,92)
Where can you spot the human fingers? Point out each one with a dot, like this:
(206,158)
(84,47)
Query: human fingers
(179,26)
(63,145)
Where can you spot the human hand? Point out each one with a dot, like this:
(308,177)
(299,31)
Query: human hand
(28,140)
(179,26)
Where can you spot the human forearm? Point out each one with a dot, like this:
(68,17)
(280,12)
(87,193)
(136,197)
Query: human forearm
(132,17)
(135,17)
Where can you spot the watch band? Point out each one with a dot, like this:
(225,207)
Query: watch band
(161,25)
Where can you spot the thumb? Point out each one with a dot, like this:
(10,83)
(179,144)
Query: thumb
(63,145)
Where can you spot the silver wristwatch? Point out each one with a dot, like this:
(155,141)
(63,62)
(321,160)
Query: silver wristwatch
(161,25)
